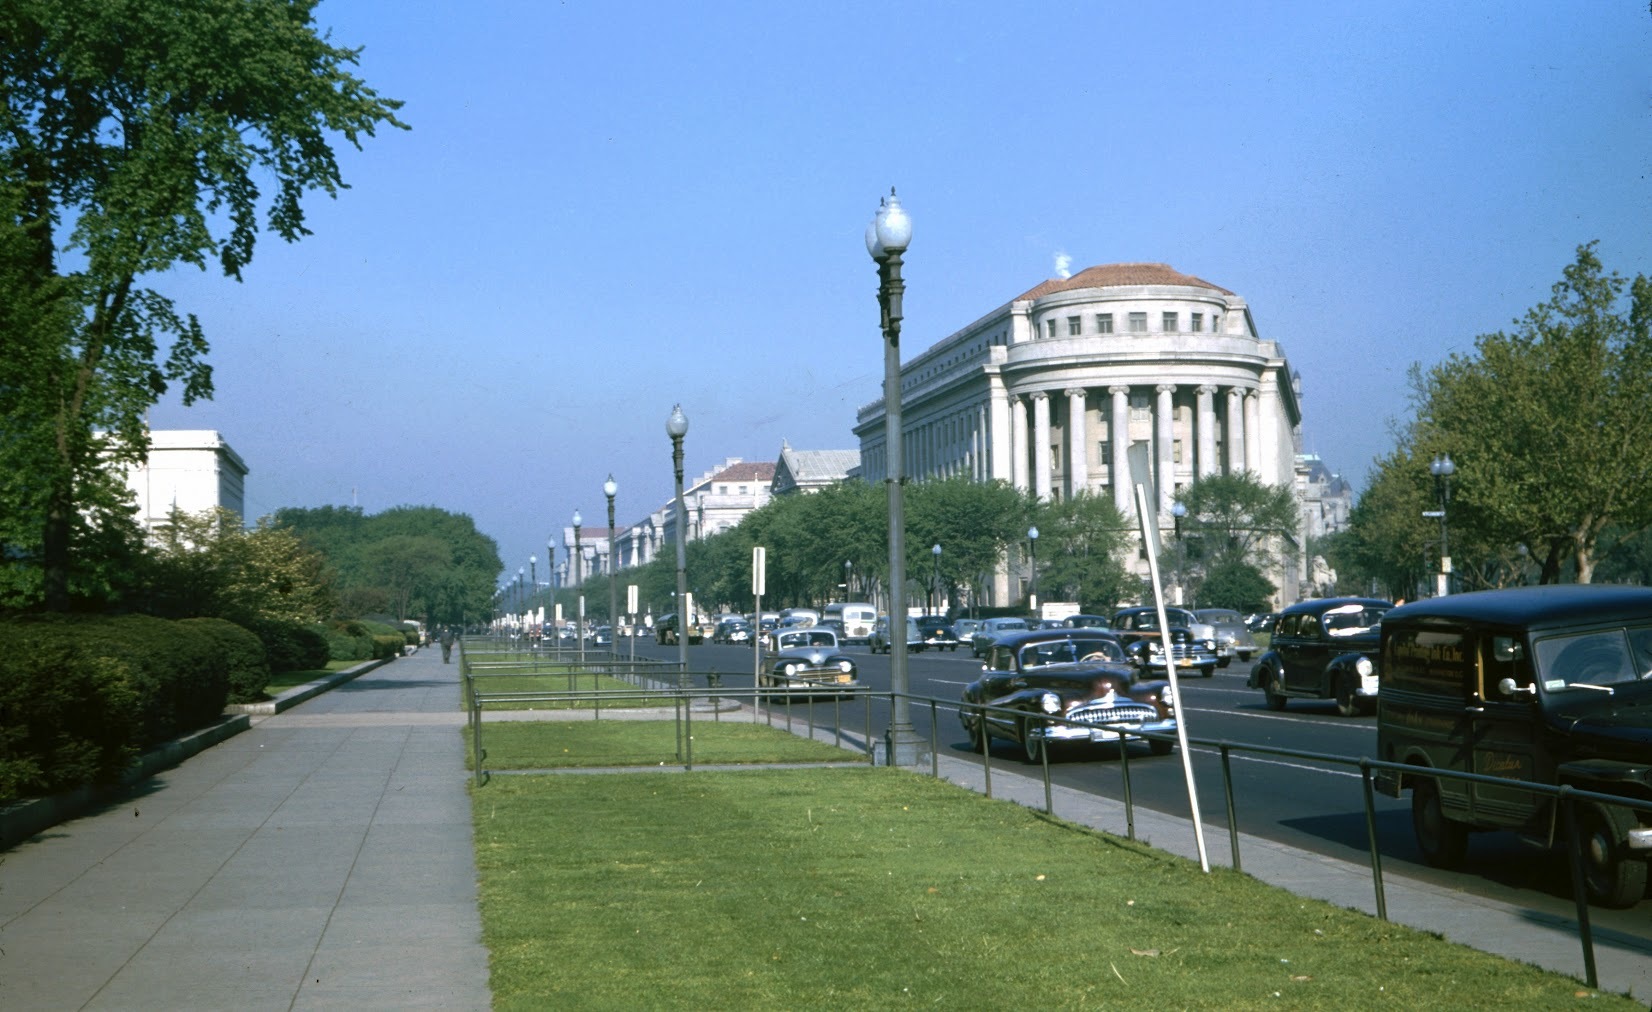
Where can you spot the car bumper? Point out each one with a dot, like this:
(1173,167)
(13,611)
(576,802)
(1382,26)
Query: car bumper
(834,681)
(1100,732)
(1367,688)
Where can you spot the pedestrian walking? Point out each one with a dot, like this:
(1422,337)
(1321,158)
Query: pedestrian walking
(447,644)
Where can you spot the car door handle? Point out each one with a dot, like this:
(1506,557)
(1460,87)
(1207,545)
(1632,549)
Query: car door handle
(1474,709)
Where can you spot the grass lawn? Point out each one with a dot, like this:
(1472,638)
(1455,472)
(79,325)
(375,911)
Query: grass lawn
(565,681)
(285,680)
(554,744)
(870,887)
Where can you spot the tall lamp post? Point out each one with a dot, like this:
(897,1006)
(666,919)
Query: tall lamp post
(677,427)
(887,237)
(608,489)
(1442,469)
(1032,563)
(533,591)
(934,576)
(1177,512)
(579,591)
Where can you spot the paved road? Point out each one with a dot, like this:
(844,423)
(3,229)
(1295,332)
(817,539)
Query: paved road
(322,859)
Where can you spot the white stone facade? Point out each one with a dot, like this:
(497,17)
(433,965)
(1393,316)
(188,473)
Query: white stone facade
(190,470)
(1051,390)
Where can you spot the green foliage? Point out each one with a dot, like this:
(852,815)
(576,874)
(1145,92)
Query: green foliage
(411,561)
(290,646)
(178,672)
(68,714)
(207,564)
(1237,585)
(1234,518)
(245,663)
(1081,541)
(347,640)
(151,132)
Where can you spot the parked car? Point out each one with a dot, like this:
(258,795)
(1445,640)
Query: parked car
(1324,648)
(809,659)
(1138,629)
(1261,621)
(732,630)
(879,642)
(1538,685)
(965,628)
(1082,675)
(1084,621)
(602,636)
(665,630)
(987,633)
(1232,638)
(937,633)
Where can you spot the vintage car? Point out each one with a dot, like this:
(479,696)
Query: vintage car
(879,641)
(665,630)
(809,660)
(1533,685)
(1085,621)
(1323,649)
(732,630)
(1138,629)
(987,633)
(1232,638)
(965,628)
(937,633)
(1081,675)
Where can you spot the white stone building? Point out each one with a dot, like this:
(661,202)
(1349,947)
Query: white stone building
(1052,389)
(190,470)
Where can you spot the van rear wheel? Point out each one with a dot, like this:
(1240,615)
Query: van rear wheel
(1444,843)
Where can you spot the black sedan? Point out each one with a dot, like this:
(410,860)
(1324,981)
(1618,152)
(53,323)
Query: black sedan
(1081,676)
(809,660)
(937,633)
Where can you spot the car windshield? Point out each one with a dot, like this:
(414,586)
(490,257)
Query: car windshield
(1217,616)
(1604,658)
(1066,651)
(1352,620)
(1008,625)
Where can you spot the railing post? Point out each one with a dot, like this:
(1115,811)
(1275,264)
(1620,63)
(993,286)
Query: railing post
(934,742)
(1580,891)
(1233,819)
(476,736)
(1371,834)
(986,751)
(1129,799)
(688,731)
(1044,756)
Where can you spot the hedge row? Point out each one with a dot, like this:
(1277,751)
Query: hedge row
(81,695)
(362,640)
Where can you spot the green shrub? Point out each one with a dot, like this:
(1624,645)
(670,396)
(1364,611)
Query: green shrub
(245,661)
(289,646)
(387,645)
(68,717)
(181,680)
(347,641)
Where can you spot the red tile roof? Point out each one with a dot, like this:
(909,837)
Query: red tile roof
(747,471)
(1121,276)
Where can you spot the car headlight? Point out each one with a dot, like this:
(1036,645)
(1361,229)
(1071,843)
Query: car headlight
(790,669)
(847,667)
(1210,645)
(1363,666)
(1049,703)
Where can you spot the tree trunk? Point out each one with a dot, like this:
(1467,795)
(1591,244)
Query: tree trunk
(55,546)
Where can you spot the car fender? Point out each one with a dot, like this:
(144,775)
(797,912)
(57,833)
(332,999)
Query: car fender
(1264,670)
(1346,665)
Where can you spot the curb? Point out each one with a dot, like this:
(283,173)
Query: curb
(24,819)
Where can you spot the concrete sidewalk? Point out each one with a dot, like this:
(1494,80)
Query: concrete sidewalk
(321,859)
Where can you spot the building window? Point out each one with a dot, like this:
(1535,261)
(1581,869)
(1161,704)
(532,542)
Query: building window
(743,490)
(1138,323)
(1198,322)
(1073,329)
(1104,452)
(1049,327)
(1104,323)
(1141,409)
(1176,451)
(1215,323)
(1170,323)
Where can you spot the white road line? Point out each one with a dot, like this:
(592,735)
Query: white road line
(1271,716)
(1277,762)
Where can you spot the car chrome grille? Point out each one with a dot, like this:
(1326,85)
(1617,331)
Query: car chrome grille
(1114,713)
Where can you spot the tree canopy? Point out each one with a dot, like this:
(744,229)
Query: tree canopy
(136,137)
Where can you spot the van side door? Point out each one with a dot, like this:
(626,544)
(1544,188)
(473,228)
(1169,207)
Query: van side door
(1504,730)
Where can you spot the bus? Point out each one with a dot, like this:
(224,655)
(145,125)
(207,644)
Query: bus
(857,618)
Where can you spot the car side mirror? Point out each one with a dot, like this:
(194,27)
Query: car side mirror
(1508,688)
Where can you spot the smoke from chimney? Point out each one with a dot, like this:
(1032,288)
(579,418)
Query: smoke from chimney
(1063,265)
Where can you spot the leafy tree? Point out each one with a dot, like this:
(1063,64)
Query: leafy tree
(1083,539)
(1237,585)
(136,137)
(207,565)
(1237,519)
(1550,425)
(975,523)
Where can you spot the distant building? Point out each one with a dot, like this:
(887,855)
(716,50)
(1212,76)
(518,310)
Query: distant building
(190,470)
(1052,390)
(715,502)
(1327,499)
(812,470)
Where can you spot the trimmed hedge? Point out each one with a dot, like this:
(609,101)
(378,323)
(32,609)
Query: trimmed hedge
(81,694)
(245,661)
(347,640)
(289,646)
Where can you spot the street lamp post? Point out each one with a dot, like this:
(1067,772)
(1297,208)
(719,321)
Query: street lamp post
(579,591)
(608,489)
(1032,561)
(519,572)
(887,237)
(934,577)
(1442,469)
(1177,512)
(533,591)
(677,427)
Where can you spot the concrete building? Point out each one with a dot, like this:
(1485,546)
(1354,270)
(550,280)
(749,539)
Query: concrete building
(1052,389)
(812,470)
(190,470)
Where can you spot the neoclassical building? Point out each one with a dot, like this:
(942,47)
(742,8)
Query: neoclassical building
(1051,390)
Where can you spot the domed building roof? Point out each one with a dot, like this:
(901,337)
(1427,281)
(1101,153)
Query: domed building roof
(1121,276)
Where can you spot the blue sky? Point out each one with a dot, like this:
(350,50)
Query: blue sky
(604,209)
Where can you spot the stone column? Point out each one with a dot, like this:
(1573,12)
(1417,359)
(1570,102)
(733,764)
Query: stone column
(1253,433)
(1164,417)
(1207,463)
(1078,443)
(1118,437)
(1236,430)
(999,438)
(1018,442)
(1041,445)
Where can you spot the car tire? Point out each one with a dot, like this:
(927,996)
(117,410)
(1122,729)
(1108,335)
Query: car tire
(1443,842)
(1034,747)
(1244,658)
(1224,662)
(1348,704)
(1613,877)
(1161,746)
(1208,671)
(1271,690)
